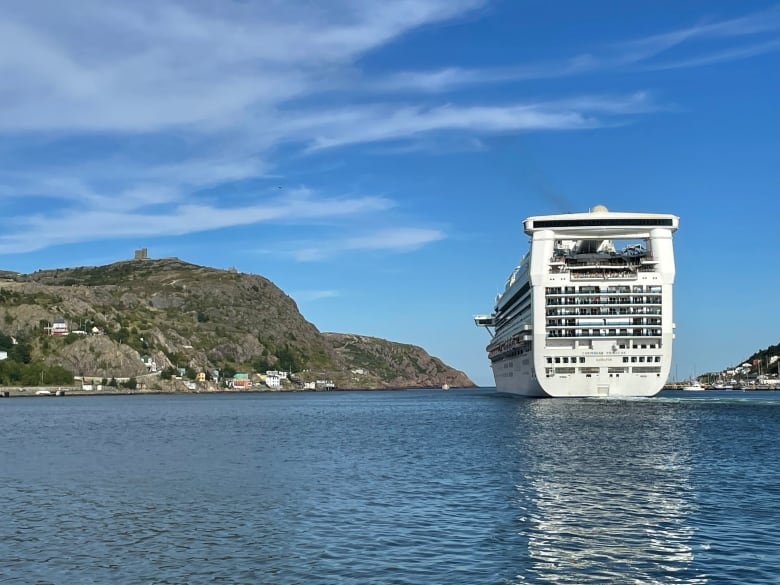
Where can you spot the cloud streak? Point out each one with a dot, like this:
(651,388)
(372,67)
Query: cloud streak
(35,231)
(746,37)
(161,108)
(400,239)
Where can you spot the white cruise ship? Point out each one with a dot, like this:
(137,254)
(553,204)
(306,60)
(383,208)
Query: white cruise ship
(588,311)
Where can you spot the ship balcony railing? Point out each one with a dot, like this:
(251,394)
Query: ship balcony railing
(604,275)
(596,301)
(570,258)
(563,333)
(603,311)
(621,294)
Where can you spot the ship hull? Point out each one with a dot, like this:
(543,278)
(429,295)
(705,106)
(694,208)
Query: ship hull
(515,376)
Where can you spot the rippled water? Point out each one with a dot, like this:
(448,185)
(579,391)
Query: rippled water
(390,487)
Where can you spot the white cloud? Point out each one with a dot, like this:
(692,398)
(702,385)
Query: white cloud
(637,53)
(314,295)
(34,232)
(378,123)
(157,104)
(400,239)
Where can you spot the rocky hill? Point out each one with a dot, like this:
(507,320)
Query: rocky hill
(379,362)
(181,315)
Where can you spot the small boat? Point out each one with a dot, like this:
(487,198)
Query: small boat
(43,393)
(692,386)
(445,386)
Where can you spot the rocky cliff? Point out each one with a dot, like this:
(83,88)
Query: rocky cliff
(181,315)
(379,362)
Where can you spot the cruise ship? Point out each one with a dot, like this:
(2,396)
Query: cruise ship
(588,311)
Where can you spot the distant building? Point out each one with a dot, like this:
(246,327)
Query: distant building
(151,365)
(200,376)
(273,381)
(59,327)
(140,254)
(281,375)
(241,382)
(324,385)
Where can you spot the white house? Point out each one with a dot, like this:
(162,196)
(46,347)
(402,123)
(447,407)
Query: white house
(273,381)
(59,327)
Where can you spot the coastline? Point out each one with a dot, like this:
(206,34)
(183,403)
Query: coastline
(70,391)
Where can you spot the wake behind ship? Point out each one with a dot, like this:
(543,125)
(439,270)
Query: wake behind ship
(588,311)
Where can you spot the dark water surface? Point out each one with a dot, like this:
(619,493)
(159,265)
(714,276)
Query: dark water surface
(417,487)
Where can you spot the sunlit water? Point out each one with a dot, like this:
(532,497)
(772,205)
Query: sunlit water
(425,487)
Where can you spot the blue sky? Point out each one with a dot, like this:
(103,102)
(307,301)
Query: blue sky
(376,159)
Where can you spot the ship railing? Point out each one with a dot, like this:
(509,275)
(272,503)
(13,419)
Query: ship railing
(562,333)
(553,311)
(575,301)
(603,275)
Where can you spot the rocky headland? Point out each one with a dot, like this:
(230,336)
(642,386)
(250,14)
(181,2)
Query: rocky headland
(166,325)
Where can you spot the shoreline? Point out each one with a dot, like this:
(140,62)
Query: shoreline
(69,391)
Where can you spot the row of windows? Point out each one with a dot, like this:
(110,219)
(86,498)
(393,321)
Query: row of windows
(569,322)
(558,223)
(650,299)
(581,359)
(612,371)
(567,290)
(604,333)
(604,311)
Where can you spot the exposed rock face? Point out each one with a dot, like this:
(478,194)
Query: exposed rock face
(183,315)
(99,356)
(392,365)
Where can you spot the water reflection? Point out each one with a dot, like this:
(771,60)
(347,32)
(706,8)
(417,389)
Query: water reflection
(606,494)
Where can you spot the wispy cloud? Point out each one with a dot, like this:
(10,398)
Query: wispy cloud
(34,231)
(694,46)
(380,123)
(401,239)
(314,295)
(153,107)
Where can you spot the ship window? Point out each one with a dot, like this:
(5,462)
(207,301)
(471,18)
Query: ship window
(582,360)
(625,359)
(633,359)
(658,358)
(549,360)
(641,358)
(557,360)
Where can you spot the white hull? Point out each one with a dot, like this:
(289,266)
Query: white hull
(515,375)
(580,318)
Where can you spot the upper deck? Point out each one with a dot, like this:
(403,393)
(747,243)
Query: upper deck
(602,223)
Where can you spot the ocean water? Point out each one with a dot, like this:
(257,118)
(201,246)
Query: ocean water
(406,487)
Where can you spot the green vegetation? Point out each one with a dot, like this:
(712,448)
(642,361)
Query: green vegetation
(19,369)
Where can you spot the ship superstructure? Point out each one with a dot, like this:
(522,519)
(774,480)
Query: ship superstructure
(588,311)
